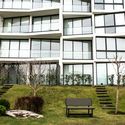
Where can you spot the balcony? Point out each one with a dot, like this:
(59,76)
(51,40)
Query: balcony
(77,55)
(29,54)
(76,8)
(77,30)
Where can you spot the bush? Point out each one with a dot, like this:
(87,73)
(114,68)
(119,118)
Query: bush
(2,110)
(5,103)
(34,103)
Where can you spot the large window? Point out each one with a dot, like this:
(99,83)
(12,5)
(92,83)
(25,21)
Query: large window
(14,48)
(77,49)
(48,73)
(15,25)
(48,23)
(45,3)
(45,48)
(106,74)
(18,4)
(109,4)
(78,74)
(77,5)
(77,26)
(13,73)
(110,47)
(110,23)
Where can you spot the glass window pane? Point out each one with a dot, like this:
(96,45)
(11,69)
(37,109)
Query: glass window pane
(101,55)
(26,4)
(112,79)
(4,48)
(25,24)
(37,24)
(77,5)
(120,29)
(37,4)
(68,27)
(16,3)
(14,48)
(45,23)
(110,30)
(77,74)
(67,5)
(86,5)
(118,1)
(68,49)
(7,3)
(100,43)
(120,44)
(118,7)
(111,55)
(99,20)
(55,47)
(101,76)
(88,74)
(108,7)
(46,3)
(98,1)
(111,44)
(68,71)
(99,6)
(45,49)
(7,25)
(55,23)
(87,50)
(24,48)
(35,48)
(77,50)
(87,25)
(55,3)
(16,25)
(109,20)
(100,30)
(77,26)
(108,1)
(120,19)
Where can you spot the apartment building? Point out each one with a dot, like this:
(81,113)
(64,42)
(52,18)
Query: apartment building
(73,40)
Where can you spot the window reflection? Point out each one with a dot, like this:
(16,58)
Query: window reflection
(78,74)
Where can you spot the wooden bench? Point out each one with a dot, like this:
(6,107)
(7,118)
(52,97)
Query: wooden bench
(79,104)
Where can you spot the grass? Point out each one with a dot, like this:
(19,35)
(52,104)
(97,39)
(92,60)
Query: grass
(54,107)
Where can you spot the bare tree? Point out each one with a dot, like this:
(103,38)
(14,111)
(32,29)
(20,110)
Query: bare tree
(119,71)
(36,76)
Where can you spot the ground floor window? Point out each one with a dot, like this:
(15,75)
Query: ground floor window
(106,74)
(78,74)
(18,73)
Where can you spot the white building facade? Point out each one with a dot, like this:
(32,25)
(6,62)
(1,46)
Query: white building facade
(74,40)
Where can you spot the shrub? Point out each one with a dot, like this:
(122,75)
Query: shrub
(34,103)
(5,103)
(2,110)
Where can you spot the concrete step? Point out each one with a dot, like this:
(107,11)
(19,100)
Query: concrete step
(101,93)
(104,99)
(105,103)
(103,96)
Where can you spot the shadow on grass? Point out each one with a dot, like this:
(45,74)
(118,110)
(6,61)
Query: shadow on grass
(81,116)
(119,113)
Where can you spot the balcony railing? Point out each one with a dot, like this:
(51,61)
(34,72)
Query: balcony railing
(28,54)
(27,5)
(77,55)
(77,8)
(77,30)
(35,28)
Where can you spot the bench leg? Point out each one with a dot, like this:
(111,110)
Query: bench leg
(91,113)
(67,112)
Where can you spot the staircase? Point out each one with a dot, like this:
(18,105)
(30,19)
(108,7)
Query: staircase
(104,98)
(5,88)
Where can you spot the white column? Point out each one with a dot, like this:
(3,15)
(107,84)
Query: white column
(30,25)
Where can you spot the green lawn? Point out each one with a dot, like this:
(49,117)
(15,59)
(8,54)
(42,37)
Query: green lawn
(54,107)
